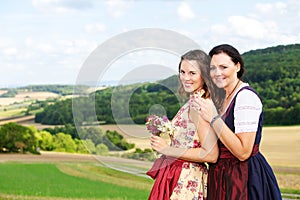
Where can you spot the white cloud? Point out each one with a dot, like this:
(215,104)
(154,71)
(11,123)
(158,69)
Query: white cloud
(264,7)
(117,8)
(280,19)
(10,51)
(277,8)
(185,12)
(46,48)
(28,41)
(95,28)
(75,47)
(6,42)
(219,29)
(61,6)
(247,27)
(268,24)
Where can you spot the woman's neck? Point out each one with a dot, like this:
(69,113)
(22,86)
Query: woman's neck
(230,92)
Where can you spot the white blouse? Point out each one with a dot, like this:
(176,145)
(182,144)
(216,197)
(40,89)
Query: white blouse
(247,110)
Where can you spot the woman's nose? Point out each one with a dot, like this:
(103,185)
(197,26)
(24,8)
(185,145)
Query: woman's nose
(185,77)
(217,71)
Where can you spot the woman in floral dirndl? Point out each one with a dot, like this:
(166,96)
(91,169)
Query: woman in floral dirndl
(180,173)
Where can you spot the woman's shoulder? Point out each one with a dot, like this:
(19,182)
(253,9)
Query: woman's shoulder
(247,95)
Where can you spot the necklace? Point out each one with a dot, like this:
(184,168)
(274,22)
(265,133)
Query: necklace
(233,89)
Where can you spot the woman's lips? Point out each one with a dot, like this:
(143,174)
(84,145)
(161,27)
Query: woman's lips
(188,84)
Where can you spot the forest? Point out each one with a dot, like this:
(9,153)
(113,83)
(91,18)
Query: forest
(273,72)
(19,138)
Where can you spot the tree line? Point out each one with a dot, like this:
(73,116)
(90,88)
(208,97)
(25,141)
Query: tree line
(274,73)
(16,138)
(121,104)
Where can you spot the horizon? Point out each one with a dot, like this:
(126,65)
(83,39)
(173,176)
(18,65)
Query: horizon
(111,83)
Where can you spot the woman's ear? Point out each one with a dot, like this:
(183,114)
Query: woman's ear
(238,67)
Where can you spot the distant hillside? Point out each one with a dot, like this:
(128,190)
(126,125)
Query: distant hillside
(273,72)
(121,104)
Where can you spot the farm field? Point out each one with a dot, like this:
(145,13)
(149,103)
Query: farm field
(27,96)
(63,176)
(11,107)
(62,179)
(280,146)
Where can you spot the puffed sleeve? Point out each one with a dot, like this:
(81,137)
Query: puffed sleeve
(247,110)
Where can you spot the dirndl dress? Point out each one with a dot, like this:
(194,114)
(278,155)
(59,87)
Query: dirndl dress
(231,179)
(177,179)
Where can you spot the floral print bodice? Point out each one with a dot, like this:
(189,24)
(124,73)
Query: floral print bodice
(185,135)
(192,183)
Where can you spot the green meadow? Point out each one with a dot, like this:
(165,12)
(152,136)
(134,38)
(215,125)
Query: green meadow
(69,181)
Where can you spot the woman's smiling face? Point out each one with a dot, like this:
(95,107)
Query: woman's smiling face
(190,76)
(223,70)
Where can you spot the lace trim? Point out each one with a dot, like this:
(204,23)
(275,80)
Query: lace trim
(246,123)
(246,108)
(246,130)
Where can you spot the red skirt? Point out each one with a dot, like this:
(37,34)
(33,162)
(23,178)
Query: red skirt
(166,172)
(228,178)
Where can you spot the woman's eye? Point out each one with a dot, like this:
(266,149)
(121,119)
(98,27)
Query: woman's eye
(212,68)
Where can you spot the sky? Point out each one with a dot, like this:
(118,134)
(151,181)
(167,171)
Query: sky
(52,41)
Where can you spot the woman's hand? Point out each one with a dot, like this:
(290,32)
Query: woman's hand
(158,144)
(206,108)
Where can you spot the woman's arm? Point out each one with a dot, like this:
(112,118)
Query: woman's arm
(191,154)
(208,152)
(239,144)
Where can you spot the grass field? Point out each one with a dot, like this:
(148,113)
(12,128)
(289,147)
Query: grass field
(69,181)
(63,176)
(12,112)
(280,146)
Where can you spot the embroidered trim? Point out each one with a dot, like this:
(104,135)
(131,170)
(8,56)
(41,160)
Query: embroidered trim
(246,130)
(246,123)
(246,108)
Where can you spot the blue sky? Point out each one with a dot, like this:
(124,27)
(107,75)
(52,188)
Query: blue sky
(48,41)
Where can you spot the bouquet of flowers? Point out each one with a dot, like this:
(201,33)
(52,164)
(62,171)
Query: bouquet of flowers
(158,125)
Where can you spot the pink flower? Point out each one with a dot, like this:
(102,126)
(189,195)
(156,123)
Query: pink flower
(157,125)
